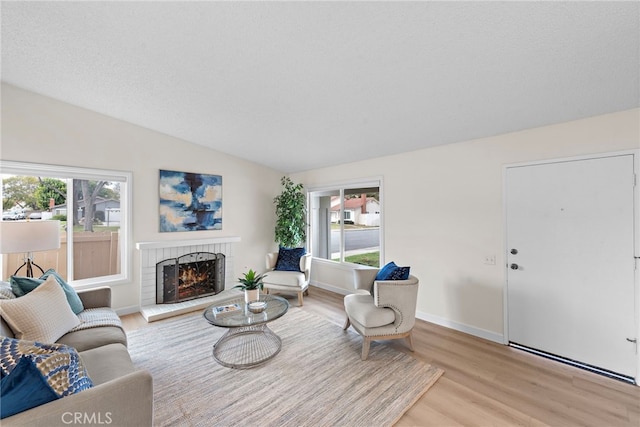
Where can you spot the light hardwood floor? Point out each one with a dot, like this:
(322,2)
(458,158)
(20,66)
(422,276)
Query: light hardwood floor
(488,384)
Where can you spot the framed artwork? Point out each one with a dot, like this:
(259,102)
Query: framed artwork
(190,201)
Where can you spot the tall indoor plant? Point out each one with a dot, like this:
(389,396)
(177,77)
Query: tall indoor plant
(291,224)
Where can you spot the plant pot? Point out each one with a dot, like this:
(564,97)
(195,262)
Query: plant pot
(251,295)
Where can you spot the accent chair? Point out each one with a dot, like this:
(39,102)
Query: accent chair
(381,309)
(285,280)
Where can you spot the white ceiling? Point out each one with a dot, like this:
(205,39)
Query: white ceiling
(301,85)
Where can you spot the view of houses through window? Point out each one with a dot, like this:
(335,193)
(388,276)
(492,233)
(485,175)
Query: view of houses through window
(90,211)
(345,224)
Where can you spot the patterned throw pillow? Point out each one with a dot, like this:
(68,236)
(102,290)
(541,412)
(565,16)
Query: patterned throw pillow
(400,273)
(289,259)
(392,272)
(23,285)
(34,373)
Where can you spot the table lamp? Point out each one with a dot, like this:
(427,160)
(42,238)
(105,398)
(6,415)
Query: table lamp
(29,237)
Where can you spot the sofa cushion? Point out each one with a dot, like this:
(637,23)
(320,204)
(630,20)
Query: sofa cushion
(42,315)
(23,285)
(26,364)
(86,339)
(107,363)
(289,259)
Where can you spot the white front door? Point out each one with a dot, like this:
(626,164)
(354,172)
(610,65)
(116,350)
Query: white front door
(570,260)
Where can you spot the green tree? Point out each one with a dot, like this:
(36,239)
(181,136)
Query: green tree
(19,191)
(50,188)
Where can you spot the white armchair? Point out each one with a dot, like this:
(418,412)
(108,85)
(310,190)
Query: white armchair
(381,309)
(287,281)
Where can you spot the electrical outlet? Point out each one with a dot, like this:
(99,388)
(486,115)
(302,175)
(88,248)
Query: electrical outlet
(490,259)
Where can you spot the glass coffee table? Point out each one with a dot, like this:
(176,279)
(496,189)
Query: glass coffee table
(248,341)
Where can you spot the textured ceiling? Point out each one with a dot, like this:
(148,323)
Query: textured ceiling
(301,85)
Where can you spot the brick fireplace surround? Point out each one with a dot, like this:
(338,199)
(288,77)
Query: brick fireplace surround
(153,252)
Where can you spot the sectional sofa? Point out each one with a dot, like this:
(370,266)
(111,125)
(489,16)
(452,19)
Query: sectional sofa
(121,395)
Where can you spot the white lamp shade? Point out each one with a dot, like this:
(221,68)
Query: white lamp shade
(29,236)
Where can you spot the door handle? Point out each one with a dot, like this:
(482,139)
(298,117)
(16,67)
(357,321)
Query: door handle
(514,266)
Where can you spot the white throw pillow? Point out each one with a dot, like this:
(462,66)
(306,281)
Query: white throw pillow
(42,315)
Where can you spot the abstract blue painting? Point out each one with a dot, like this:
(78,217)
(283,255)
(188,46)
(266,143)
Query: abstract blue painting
(190,201)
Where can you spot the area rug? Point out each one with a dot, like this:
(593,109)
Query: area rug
(317,379)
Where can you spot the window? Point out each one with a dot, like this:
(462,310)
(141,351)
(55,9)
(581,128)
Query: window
(93,207)
(355,238)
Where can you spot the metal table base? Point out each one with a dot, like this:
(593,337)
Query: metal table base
(247,346)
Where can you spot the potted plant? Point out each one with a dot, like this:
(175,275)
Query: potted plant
(291,224)
(251,284)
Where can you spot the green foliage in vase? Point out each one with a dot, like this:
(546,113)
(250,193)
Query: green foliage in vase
(291,224)
(250,281)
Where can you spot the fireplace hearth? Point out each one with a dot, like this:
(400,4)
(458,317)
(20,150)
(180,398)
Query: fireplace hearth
(189,276)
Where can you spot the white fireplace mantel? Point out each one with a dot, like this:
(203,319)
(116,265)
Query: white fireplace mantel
(190,242)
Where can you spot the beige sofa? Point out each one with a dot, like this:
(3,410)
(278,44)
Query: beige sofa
(122,395)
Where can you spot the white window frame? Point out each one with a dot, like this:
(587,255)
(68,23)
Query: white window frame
(340,187)
(126,200)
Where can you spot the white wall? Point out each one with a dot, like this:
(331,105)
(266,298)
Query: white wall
(455,217)
(42,130)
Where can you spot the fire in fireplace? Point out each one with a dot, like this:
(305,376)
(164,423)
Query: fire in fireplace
(189,276)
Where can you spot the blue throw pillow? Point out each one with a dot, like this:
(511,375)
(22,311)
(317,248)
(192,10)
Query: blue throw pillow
(392,272)
(23,285)
(34,373)
(24,389)
(385,272)
(289,259)
(400,273)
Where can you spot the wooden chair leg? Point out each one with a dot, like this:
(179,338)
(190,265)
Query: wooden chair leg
(366,342)
(347,323)
(410,341)
(300,298)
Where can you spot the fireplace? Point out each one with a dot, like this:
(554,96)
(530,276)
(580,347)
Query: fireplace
(189,276)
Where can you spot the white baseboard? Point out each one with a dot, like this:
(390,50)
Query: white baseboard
(331,288)
(471,330)
(128,310)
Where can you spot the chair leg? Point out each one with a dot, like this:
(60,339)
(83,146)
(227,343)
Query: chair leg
(300,298)
(366,342)
(347,323)
(410,341)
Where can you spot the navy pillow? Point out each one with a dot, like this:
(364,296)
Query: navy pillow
(289,259)
(400,273)
(392,272)
(385,272)
(24,388)
(23,285)
(59,365)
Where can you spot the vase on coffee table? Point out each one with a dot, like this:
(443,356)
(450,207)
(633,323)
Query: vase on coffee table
(251,295)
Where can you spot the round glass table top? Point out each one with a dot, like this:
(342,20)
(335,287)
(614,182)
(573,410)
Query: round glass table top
(235,313)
